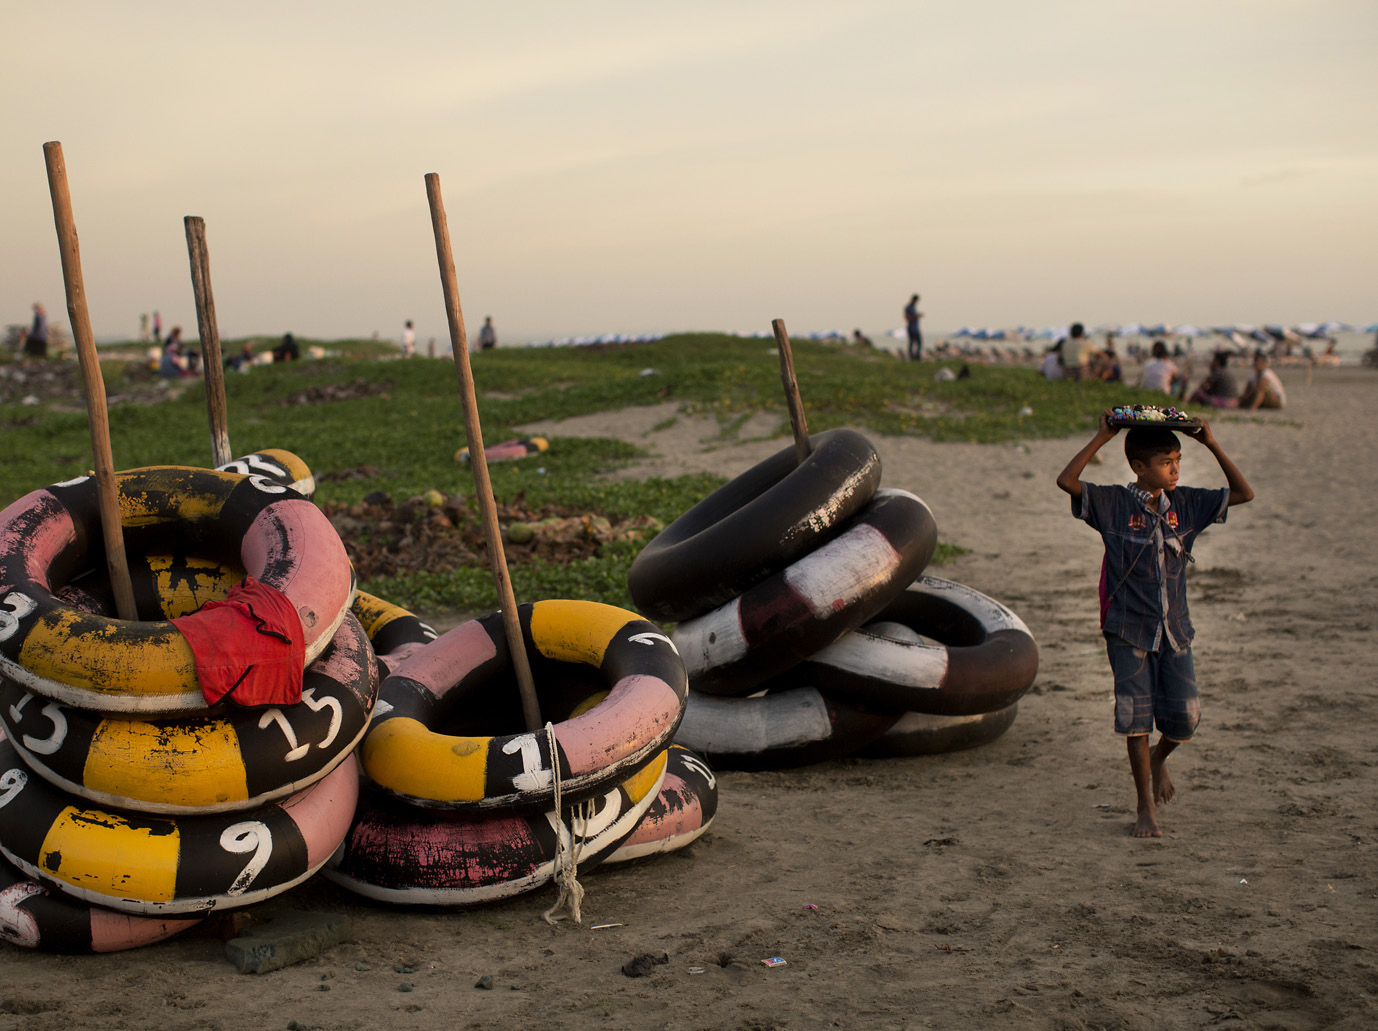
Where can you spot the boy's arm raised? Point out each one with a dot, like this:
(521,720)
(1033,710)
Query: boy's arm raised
(1070,477)
(1240,491)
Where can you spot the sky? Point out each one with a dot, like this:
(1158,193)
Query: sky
(636,167)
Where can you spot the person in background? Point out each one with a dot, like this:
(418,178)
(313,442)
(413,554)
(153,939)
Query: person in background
(408,340)
(143,328)
(36,343)
(858,337)
(1160,372)
(1218,389)
(175,362)
(1264,389)
(1076,353)
(1051,366)
(286,351)
(912,315)
(1105,365)
(242,361)
(157,327)
(487,336)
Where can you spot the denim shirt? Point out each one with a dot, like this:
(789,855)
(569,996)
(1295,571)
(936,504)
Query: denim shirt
(1146,552)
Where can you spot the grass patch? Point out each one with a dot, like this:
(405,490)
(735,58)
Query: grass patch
(365,425)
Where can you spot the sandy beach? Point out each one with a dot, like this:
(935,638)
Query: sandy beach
(997,887)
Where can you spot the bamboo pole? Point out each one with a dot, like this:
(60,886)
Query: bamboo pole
(792,399)
(212,368)
(93,384)
(478,461)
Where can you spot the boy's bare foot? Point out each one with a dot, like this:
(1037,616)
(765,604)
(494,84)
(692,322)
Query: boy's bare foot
(1147,825)
(1163,791)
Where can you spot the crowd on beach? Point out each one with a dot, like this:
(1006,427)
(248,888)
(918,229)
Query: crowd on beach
(1077,358)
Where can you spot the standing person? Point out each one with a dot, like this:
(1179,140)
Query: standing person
(143,328)
(36,343)
(157,327)
(1148,528)
(1076,353)
(487,336)
(912,315)
(408,340)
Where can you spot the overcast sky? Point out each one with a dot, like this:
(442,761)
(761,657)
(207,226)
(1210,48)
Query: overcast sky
(626,167)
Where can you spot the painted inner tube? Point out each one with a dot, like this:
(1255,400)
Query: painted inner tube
(810,604)
(224,759)
(151,865)
(393,631)
(432,744)
(165,585)
(34,916)
(764,520)
(777,730)
(507,450)
(62,653)
(919,733)
(680,814)
(986,660)
(278,466)
(409,856)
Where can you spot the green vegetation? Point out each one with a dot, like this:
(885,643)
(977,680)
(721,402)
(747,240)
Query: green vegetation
(365,425)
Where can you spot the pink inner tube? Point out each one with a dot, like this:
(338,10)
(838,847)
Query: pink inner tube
(64,654)
(681,813)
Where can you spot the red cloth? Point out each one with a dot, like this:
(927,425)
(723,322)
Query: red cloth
(249,646)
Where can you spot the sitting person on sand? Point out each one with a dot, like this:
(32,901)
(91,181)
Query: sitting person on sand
(287,351)
(1148,528)
(175,362)
(1160,372)
(1051,366)
(1218,389)
(1264,389)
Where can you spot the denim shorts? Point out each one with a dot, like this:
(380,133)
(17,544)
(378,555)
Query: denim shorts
(1154,688)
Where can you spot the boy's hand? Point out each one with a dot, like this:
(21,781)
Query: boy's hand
(1202,434)
(1105,428)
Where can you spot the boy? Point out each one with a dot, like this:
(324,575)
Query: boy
(1148,528)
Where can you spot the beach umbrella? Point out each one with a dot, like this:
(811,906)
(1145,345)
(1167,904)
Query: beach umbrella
(1335,327)
(1159,330)
(1372,327)
(1187,330)
(1131,329)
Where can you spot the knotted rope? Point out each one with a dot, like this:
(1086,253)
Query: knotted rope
(566,854)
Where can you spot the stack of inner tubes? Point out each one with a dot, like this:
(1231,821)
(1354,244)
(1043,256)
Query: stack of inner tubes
(773,580)
(129,808)
(460,810)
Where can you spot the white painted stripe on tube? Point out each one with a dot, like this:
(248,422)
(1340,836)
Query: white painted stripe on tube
(752,725)
(843,570)
(893,662)
(713,639)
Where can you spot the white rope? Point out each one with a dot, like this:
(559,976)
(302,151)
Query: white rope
(566,855)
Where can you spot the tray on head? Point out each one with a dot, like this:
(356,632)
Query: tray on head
(1152,415)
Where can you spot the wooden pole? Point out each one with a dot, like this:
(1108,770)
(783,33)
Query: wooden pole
(212,368)
(93,384)
(792,399)
(478,461)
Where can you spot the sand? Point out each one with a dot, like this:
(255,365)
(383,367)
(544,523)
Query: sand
(997,887)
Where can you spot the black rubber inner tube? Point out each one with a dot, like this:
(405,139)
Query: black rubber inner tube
(759,523)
